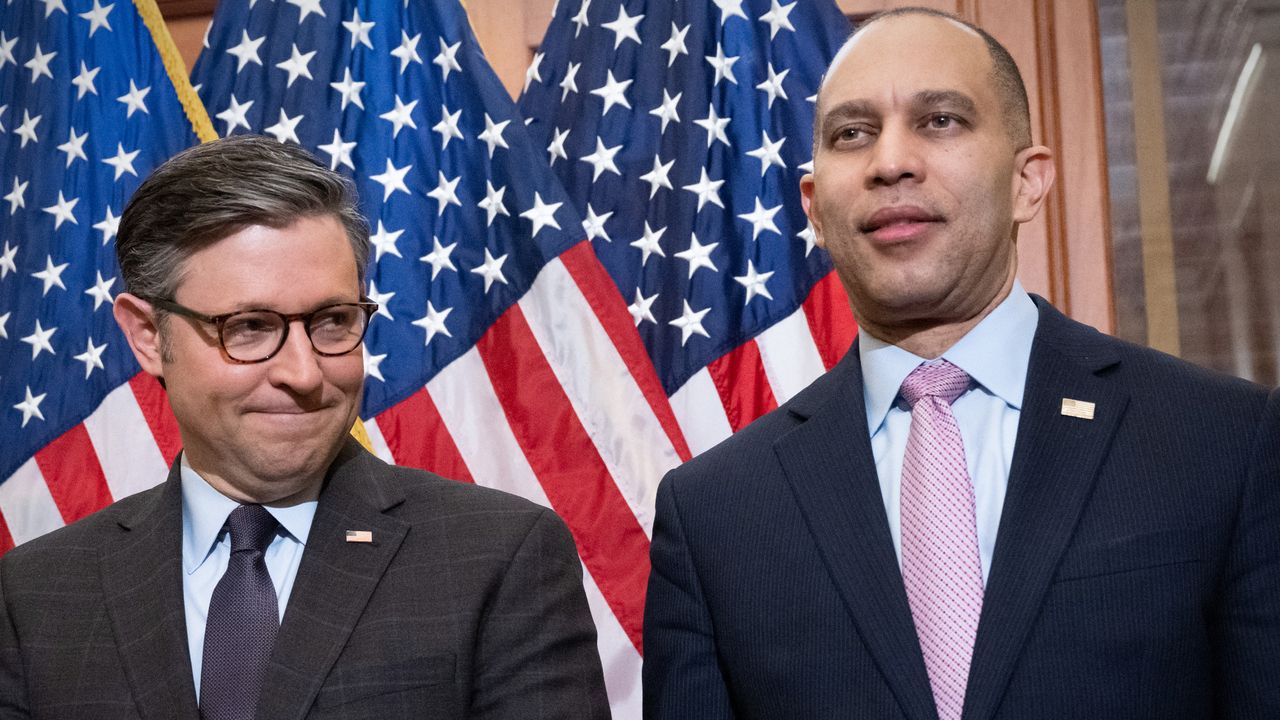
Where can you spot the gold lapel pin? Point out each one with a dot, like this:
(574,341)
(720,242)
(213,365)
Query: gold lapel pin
(360,536)
(1077,408)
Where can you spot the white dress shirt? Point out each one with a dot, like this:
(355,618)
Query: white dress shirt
(995,353)
(206,549)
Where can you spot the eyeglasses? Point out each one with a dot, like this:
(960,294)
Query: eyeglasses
(254,336)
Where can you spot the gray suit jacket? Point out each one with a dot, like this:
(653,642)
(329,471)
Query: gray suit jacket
(468,603)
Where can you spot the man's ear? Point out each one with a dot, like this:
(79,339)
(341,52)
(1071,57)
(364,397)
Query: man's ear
(1034,179)
(136,319)
(809,203)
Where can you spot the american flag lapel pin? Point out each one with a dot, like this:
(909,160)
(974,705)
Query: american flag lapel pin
(1077,408)
(359,536)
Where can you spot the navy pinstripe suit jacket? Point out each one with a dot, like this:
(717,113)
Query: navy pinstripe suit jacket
(467,604)
(1136,570)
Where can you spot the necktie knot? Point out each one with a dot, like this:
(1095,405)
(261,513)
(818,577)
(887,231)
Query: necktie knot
(252,528)
(938,379)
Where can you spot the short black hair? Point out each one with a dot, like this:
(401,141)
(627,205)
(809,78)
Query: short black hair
(1004,73)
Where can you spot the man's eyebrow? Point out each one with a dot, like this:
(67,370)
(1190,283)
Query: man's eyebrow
(848,109)
(947,99)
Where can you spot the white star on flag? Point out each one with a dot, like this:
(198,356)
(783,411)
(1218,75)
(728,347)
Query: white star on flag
(135,99)
(491,269)
(434,322)
(285,128)
(234,115)
(62,212)
(384,242)
(350,89)
(39,341)
(339,152)
(392,179)
(109,225)
(445,192)
(698,255)
(30,407)
(690,323)
(247,51)
(400,116)
(642,308)
(438,258)
(407,52)
(593,225)
(754,282)
(602,160)
(447,59)
(761,219)
(297,65)
(542,214)
(648,243)
(359,30)
(624,27)
(614,92)
(91,357)
(101,290)
(97,17)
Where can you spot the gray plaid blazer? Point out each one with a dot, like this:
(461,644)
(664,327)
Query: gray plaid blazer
(468,604)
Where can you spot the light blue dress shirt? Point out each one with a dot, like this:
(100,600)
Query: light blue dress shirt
(995,353)
(206,549)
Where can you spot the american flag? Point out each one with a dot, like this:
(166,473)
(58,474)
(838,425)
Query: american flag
(87,110)
(681,130)
(502,354)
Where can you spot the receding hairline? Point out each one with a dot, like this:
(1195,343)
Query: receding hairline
(1004,74)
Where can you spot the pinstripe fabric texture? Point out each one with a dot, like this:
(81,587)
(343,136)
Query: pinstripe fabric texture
(1136,573)
(941,568)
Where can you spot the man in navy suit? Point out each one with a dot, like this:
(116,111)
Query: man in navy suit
(986,510)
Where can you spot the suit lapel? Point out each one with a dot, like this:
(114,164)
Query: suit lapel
(827,460)
(142,591)
(334,582)
(1055,464)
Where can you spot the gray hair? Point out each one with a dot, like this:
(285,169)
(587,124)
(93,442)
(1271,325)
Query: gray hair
(211,191)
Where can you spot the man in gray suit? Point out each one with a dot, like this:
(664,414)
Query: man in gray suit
(282,570)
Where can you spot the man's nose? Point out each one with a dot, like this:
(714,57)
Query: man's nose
(297,365)
(895,157)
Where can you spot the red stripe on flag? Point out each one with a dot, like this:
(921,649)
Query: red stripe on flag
(610,540)
(603,297)
(743,387)
(154,404)
(418,437)
(6,537)
(830,319)
(71,470)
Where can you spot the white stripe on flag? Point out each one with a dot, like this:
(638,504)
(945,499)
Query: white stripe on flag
(700,413)
(470,410)
(618,656)
(604,395)
(378,442)
(27,505)
(130,459)
(790,356)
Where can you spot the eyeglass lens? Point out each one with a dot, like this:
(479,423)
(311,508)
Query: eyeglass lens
(254,335)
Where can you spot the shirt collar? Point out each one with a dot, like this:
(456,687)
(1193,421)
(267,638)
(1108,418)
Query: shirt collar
(205,511)
(995,353)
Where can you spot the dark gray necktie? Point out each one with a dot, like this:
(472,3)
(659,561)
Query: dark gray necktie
(243,621)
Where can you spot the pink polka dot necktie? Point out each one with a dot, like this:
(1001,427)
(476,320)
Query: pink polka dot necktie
(940,563)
